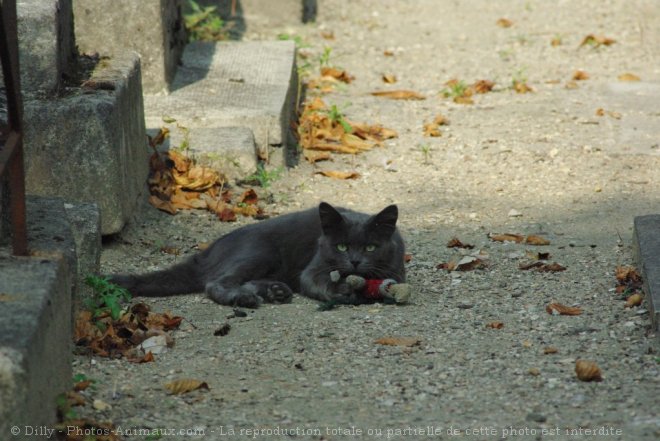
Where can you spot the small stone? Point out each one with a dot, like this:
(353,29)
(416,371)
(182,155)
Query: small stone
(536,417)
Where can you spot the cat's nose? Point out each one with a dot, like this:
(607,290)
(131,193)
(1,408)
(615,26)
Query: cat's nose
(355,263)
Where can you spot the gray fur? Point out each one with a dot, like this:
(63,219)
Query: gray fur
(271,260)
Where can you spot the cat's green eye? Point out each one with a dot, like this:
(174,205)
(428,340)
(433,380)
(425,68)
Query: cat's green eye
(370,248)
(342,247)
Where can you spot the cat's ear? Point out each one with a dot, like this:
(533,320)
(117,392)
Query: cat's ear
(331,219)
(384,223)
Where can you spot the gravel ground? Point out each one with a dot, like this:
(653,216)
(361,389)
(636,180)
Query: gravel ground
(538,163)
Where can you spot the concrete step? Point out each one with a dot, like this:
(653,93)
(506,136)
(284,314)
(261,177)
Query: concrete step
(36,322)
(90,145)
(232,84)
(646,245)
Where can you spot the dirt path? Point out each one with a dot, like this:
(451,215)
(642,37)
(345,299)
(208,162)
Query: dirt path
(537,163)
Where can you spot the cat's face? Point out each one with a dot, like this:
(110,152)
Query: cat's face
(357,244)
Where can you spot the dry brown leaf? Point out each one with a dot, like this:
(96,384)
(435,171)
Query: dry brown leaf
(160,137)
(629,77)
(536,240)
(338,74)
(388,53)
(313,157)
(328,35)
(571,85)
(185,385)
(504,23)
(559,309)
(556,41)
(483,86)
(165,206)
(399,94)
(463,263)
(456,243)
(432,130)
(553,267)
(587,370)
(399,341)
(507,237)
(580,75)
(338,174)
(550,350)
(600,112)
(627,274)
(634,300)
(597,41)
(389,78)
(495,325)
(463,99)
(407,257)
(522,87)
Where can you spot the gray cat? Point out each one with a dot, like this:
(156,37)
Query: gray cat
(268,261)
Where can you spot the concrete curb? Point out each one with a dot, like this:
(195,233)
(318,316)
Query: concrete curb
(36,319)
(646,246)
(233,84)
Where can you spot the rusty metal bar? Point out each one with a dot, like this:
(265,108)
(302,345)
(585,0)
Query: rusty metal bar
(11,150)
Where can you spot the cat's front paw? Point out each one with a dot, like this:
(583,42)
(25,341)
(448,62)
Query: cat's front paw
(276,292)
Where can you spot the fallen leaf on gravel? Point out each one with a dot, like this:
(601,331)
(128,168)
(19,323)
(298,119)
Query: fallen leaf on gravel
(463,263)
(504,23)
(456,243)
(587,370)
(338,174)
(550,350)
(82,385)
(495,325)
(580,75)
(483,86)
(432,130)
(338,74)
(407,257)
(556,41)
(543,267)
(522,87)
(507,237)
(534,371)
(399,341)
(536,240)
(399,94)
(559,309)
(185,385)
(629,77)
(597,41)
(162,205)
(314,157)
(571,85)
(537,256)
(634,300)
(628,279)
(389,78)
(328,35)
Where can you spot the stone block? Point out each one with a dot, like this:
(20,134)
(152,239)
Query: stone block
(253,14)
(646,247)
(249,84)
(85,222)
(46,44)
(228,149)
(91,147)
(36,319)
(152,28)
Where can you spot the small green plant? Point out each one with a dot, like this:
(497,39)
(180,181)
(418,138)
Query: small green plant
(185,132)
(204,24)
(263,177)
(107,297)
(455,89)
(324,58)
(519,77)
(426,152)
(337,116)
(64,409)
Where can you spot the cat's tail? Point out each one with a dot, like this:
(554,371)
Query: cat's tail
(178,279)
